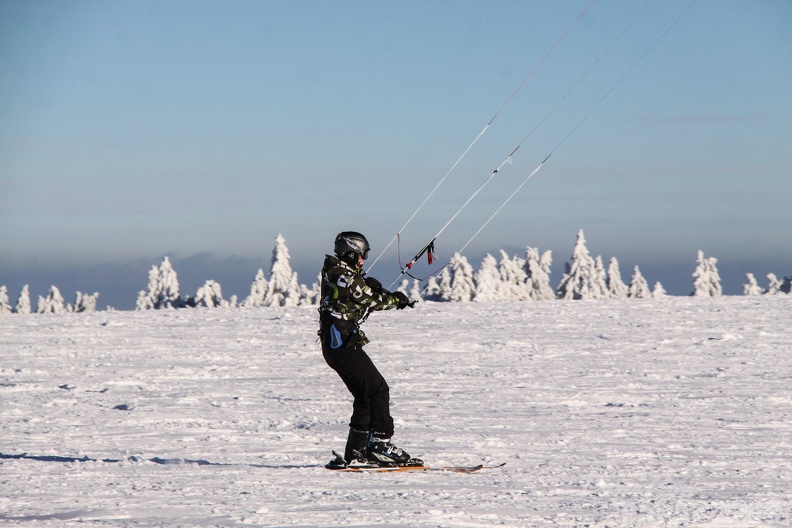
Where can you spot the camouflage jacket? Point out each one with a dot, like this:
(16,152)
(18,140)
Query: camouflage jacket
(346,296)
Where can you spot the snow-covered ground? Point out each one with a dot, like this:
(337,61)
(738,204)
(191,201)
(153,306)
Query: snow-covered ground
(666,412)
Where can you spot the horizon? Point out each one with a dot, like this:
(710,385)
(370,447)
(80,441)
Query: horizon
(123,281)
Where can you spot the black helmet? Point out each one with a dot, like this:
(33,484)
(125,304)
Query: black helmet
(351,242)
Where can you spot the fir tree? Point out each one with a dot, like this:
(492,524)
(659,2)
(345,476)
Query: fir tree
(163,289)
(513,279)
(432,292)
(616,287)
(85,302)
(444,284)
(600,282)
(537,271)
(415,290)
(658,291)
(639,288)
(210,295)
(5,305)
(581,279)
(488,285)
(23,305)
(259,292)
(462,284)
(52,303)
(284,288)
(706,281)
(774,285)
(311,296)
(752,287)
(403,285)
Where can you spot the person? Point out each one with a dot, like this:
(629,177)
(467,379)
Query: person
(347,298)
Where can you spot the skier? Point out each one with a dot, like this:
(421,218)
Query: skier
(347,298)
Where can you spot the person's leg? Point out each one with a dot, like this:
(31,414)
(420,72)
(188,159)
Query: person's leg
(371,397)
(371,406)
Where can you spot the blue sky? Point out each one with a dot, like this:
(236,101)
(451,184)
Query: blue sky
(201,130)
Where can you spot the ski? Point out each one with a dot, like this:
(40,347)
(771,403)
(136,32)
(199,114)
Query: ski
(399,469)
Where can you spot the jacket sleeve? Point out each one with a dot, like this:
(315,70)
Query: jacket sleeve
(367,294)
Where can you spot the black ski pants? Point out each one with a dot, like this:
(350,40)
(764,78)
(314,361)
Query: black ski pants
(371,406)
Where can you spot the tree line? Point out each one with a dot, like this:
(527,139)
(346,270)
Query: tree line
(507,278)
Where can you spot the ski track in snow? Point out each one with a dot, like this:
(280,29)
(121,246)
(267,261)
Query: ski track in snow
(667,412)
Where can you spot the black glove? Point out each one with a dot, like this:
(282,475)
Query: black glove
(404,301)
(373,283)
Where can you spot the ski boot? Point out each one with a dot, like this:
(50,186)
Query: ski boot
(353,453)
(382,452)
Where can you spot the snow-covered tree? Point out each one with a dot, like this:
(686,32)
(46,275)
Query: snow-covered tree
(403,285)
(284,288)
(774,285)
(311,296)
(600,282)
(752,287)
(163,289)
(706,280)
(786,286)
(488,285)
(5,306)
(639,288)
(23,305)
(582,279)
(52,303)
(85,302)
(210,295)
(537,271)
(513,278)
(462,284)
(616,287)
(415,291)
(438,287)
(259,292)
(658,290)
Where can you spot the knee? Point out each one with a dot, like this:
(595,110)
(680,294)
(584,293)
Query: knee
(380,389)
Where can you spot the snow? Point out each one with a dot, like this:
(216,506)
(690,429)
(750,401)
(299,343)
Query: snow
(623,412)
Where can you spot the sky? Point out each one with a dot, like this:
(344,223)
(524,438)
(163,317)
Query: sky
(200,130)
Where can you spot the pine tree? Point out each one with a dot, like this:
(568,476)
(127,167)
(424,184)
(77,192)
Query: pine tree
(403,285)
(443,289)
(600,282)
(415,290)
(23,305)
(284,288)
(85,302)
(616,287)
(163,289)
(514,280)
(432,291)
(311,296)
(462,284)
(52,303)
(5,305)
(581,279)
(639,288)
(706,281)
(658,291)
(259,292)
(210,295)
(774,285)
(752,287)
(488,285)
(537,271)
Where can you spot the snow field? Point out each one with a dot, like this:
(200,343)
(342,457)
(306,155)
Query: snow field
(663,412)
